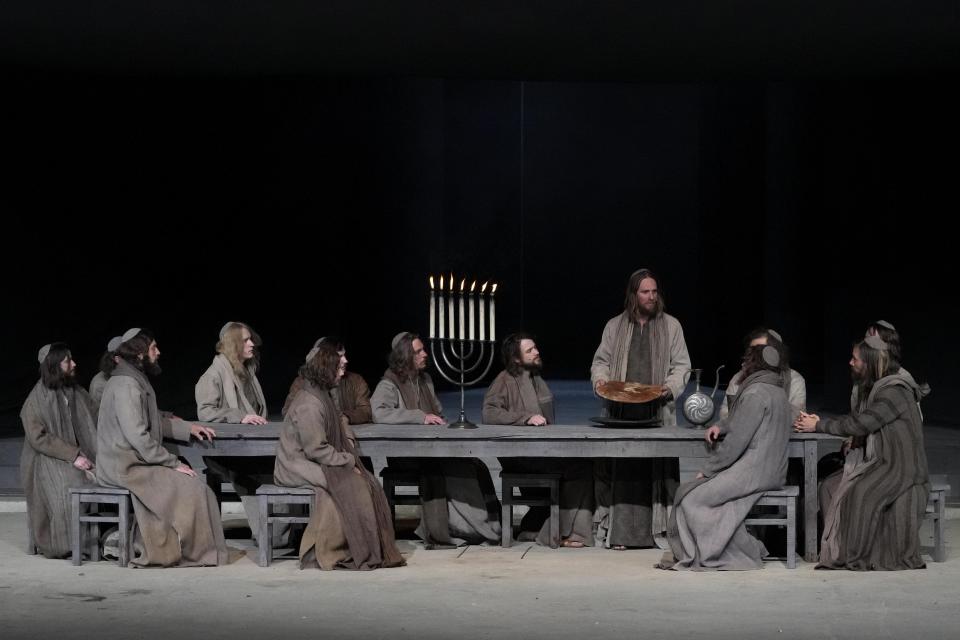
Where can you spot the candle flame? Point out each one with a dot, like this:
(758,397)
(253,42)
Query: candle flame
(473,286)
(483,289)
(431,283)
(441,282)
(493,289)
(462,284)
(451,281)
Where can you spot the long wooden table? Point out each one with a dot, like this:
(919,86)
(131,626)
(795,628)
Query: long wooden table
(494,441)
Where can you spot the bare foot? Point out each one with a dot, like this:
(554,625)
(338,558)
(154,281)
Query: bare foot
(618,547)
(575,544)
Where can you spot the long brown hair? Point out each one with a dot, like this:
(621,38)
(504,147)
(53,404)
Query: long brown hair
(400,359)
(630,303)
(321,369)
(878,364)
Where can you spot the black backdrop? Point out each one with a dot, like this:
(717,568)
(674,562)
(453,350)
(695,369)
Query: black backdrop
(318,203)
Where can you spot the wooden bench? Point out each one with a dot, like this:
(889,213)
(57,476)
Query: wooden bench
(508,500)
(393,478)
(269,496)
(936,511)
(99,495)
(786,497)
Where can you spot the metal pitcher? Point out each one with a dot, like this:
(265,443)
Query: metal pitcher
(699,408)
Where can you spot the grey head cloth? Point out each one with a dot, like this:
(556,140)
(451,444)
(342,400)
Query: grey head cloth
(776,336)
(223,329)
(397,338)
(771,356)
(130,334)
(876,342)
(114,343)
(885,325)
(42,354)
(316,347)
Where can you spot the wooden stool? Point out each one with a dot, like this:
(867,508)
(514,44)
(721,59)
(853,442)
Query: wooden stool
(393,478)
(786,497)
(936,511)
(99,495)
(268,496)
(527,480)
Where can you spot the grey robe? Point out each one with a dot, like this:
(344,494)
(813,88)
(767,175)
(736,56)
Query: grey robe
(473,511)
(97,385)
(633,495)
(874,517)
(706,525)
(58,425)
(177,517)
(514,400)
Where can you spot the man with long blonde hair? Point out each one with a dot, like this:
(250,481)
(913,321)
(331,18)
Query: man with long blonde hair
(229,392)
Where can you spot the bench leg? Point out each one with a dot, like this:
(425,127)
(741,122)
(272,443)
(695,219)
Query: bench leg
(31,541)
(555,515)
(264,541)
(123,555)
(792,533)
(506,521)
(939,550)
(75,528)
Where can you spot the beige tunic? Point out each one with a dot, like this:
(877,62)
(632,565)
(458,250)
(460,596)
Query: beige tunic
(96,390)
(221,397)
(793,382)
(177,516)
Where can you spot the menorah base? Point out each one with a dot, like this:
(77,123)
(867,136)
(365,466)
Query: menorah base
(462,423)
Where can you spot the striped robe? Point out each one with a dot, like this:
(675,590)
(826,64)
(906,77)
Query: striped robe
(874,518)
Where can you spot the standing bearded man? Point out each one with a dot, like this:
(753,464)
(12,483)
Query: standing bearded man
(177,516)
(644,345)
(59,449)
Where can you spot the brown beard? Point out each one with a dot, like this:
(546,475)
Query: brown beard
(534,368)
(152,369)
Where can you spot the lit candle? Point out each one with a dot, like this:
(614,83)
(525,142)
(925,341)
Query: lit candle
(433,309)
(470,308)
(443,307)
(462,334)
(483,311)
(451,310)
(493,312)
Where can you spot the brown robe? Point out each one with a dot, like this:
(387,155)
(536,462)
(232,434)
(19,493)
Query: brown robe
(177,516)
(351,396)
(514,399)
(351,525)
(59,425)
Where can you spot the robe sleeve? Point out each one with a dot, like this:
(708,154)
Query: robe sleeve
(385,405)
(600,369)
(886,407)
(798,392)
(741,427)
(679,370)
(361,412)
(174,428)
